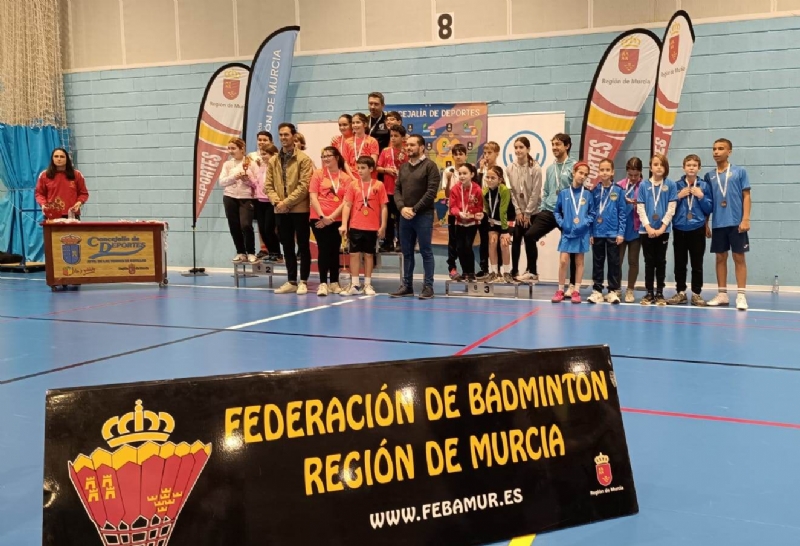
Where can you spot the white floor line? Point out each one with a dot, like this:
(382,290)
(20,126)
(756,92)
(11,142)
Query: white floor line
(286,315)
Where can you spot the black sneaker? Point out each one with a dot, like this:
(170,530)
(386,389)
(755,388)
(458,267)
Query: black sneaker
(481,275)
(261,255)
(427,293)
(649,299)
(660,299)
(402,292)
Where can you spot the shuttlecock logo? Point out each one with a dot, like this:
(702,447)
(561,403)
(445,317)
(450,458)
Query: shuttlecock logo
(135,494)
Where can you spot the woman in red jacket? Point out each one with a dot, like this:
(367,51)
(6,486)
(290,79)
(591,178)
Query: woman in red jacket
(61,188)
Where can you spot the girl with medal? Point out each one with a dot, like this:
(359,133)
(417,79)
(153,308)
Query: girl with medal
(632,244)
(466,206)
(525,180)
(608,233)
(656,207)
(327,191)
(689,231)
(364,220)
(362,144)
(730,222)
(239,178)
(575,213)
(342,141)
(496,200)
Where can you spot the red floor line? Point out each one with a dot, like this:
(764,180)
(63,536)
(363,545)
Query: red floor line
(500,330)
(712,418)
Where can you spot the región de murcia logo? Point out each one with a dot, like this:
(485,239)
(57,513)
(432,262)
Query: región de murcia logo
(603,469)
(134,494)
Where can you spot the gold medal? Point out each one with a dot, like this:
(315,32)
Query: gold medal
(336,198)
(577,221)
(613,197)
(583,202)
(689,216)
(656,217)
(365,212)
(724,204)
(599,220)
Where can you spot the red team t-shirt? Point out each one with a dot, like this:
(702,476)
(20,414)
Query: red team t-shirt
(376,198)
(323,184)
(391,158)
(365,145)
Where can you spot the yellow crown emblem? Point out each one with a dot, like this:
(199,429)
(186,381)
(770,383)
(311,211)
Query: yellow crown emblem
(232,73)
(631,42)
(601,459)
(676,29)
(161,426)
(71,239)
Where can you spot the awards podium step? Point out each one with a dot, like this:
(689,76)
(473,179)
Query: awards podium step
(480,289)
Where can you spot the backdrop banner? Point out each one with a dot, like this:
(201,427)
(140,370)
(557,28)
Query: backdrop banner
(220,120)
(672,68)
(539,128)
(268,88)
(624,78)
(460,450)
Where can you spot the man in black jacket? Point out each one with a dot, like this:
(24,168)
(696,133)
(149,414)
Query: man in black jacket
(417,184)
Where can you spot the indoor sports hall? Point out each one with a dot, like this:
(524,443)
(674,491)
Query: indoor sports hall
(706,393)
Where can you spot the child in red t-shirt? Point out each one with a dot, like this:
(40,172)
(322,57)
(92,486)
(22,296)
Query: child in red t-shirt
(362,145)
(364,220)
(389,163)
(466,206)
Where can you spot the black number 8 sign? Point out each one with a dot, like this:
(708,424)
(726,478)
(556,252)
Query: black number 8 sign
(445,22)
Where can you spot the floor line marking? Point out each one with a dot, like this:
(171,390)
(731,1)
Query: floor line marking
(716,418)
(500,330)
(285,315)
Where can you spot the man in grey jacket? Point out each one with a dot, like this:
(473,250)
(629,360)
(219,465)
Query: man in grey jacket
(417,184)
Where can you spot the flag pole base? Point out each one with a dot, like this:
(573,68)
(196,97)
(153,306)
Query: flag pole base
(195,272)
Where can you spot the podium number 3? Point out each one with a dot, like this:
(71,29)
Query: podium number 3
(445,22)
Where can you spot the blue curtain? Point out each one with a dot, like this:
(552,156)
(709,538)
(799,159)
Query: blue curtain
(24,153)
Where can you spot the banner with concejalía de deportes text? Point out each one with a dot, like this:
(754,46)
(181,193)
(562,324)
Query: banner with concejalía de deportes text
(624,78)
(220,119)
(672,67)
(268,89)
(462,450)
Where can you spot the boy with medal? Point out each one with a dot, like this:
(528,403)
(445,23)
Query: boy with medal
(389,163)
(363,221)
(656,207)
(608,233)
(574,214)
(730,222)
(694,206)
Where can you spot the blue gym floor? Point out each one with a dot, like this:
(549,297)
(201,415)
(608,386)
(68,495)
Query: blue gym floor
(709,395)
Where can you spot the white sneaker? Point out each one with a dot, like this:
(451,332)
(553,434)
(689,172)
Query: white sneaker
(369,291)
(252,258)
(570,290)
(525,277)
(322,291)
(239,258)
(720,300)
(351,290)
(612,297)
(302,288)
(630,296)
(596,297)
(741,302)
(334,288)
(287,288)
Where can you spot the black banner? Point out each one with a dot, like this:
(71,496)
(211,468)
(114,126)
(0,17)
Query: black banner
(447,451)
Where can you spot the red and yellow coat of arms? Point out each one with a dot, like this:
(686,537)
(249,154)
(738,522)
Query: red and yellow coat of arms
(603,469)
(629,55)
(231,83)
(674,42)
(135,494)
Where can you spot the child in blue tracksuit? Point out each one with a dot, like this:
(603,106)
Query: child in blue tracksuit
(608,233)
(695,203)
(574,214)
(656,207)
